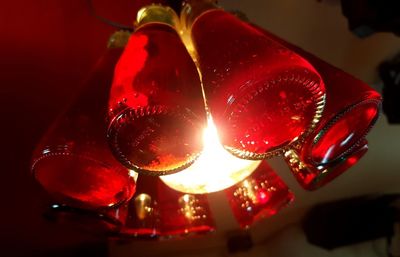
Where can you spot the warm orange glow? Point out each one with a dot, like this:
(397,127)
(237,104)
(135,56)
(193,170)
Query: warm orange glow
(215,169)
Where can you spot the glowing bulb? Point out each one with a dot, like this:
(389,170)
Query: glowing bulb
(214,170)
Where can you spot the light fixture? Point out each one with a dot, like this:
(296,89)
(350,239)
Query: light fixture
(156,109)
(351,110)
(73,161)
(173,80)
(263,97)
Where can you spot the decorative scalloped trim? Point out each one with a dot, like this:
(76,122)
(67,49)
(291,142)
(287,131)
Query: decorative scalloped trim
(129,115)
(319,98)
(63,150)
(338,117)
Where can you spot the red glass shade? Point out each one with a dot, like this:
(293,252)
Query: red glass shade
(143,219)
(262,96)
(156,105)
(352,108)
(260,195)
(73,161)
(102,222)
(313,177)
(183,214)
(344,133)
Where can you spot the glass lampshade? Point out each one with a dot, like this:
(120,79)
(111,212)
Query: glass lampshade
(352,108)
(260,195)
(156,106)
(312,177)
(73,161)
(143,218)
(183,214)
(263,97)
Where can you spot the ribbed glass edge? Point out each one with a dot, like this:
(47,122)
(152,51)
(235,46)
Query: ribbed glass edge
(47,152)
(319,96)
(131,115)
(359,151)
(337,117)
(63,150)
(296,165)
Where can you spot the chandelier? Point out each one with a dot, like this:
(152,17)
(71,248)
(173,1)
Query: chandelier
(193,104)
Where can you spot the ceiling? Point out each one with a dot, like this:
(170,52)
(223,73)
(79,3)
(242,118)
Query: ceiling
(48,46)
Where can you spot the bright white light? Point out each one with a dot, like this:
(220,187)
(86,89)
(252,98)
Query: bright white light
(133,175)
(214,170)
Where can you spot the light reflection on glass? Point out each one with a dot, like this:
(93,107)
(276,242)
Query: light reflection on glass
(214,170)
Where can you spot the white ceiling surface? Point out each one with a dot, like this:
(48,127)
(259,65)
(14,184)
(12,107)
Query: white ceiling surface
(321,29)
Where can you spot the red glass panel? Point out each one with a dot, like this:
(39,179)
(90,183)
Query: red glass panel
(73,161)
(143,218)
(351,109)
(262,96)
(344,133)
(106,221)
(156,106)
(183,214)
(313,177)
(260,195)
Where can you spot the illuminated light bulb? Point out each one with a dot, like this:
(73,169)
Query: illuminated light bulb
(73,162)
(260,195)
(214,170)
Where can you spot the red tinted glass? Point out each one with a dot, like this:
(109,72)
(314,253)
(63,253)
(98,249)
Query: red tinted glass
(262,95)
(156,106)
(81,181)
(260,195)
(183,214)
(143,219)
(73,161)
(351,109)
(344,133)
(313,177)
